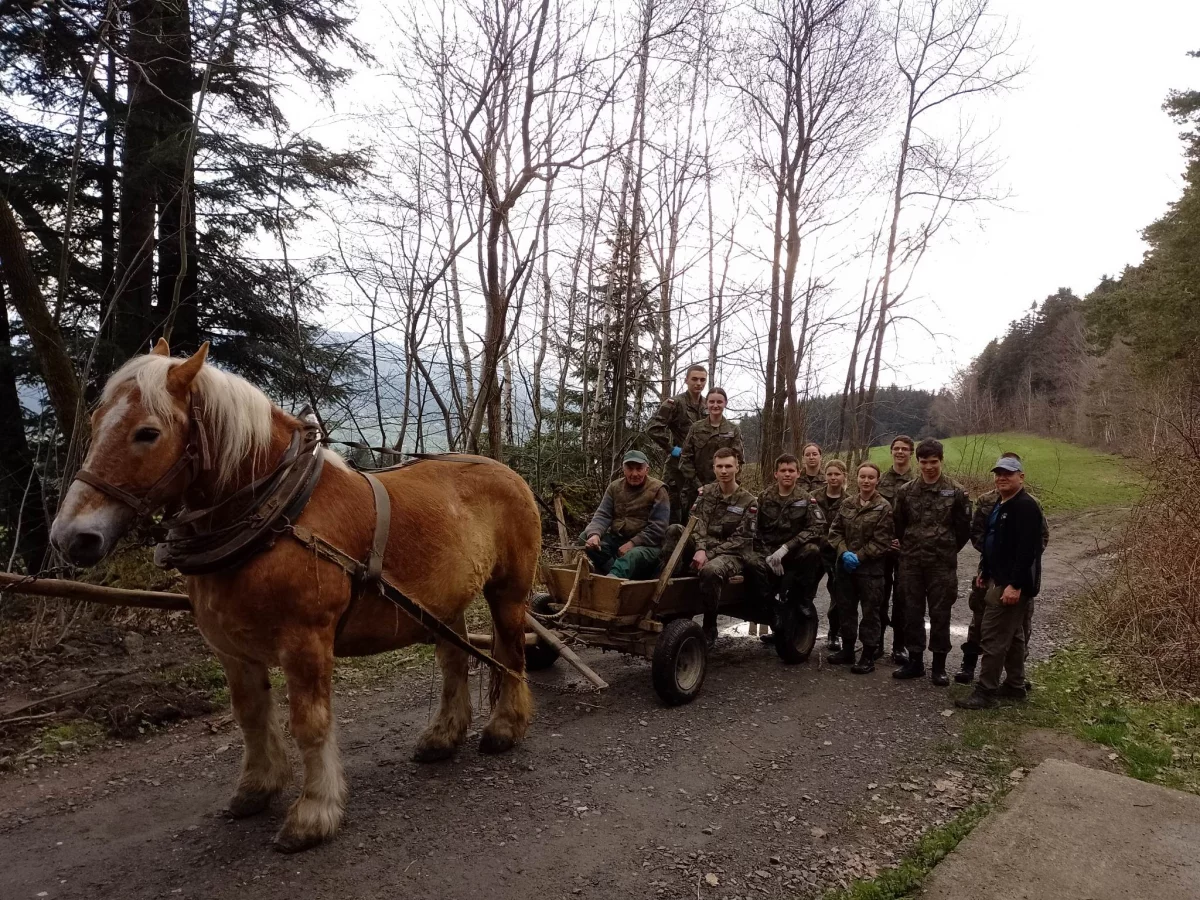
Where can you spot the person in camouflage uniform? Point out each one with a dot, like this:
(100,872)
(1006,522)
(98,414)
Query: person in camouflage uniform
(979,524)
(829,498)
(784,558)
(861,537)
(932,517)
(725,515)
(892,607)
(705,438)
(812,478)
(623,538)
(669,429)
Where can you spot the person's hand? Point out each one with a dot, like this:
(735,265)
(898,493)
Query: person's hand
(700,560)
(593,541)
(1010,596)
(849,561)
(895,543)
(775,560)
(676,451)
(624,548)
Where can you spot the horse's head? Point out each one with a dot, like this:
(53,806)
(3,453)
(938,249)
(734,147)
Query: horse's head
(143,453)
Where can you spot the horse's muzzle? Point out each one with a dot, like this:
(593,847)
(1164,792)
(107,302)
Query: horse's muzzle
(82,548)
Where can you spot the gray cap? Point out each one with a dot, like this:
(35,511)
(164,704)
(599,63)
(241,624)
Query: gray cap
(636,456)
(1008,464)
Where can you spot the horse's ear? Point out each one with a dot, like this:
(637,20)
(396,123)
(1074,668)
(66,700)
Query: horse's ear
(162,348)
(180,377)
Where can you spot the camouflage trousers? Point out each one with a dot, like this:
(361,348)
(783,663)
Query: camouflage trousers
(976,603)
(797,584)
(860,594)
(891,603)
(834,581)
(1003,640)
(713,576)
(932,589)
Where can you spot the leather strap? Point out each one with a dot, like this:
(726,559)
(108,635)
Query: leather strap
(383,524)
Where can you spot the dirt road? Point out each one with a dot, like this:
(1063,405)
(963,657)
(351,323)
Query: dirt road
(778,781)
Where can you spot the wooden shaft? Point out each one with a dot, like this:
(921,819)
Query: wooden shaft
(93,593)
(564,651)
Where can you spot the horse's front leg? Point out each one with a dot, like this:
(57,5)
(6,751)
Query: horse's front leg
(265,766)
(317,813)
(445,733)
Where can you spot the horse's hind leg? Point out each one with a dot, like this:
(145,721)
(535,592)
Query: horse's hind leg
(317,813)
(512,704)
(444,734)
(265,766)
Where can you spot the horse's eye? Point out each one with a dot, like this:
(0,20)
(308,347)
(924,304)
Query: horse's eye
(146,435)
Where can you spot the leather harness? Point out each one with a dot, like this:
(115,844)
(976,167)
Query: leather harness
(270,507)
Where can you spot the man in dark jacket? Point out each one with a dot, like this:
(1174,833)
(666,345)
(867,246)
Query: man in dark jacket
(1011,571)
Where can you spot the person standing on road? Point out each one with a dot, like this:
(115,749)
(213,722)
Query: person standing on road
(669,429)
(812,479)
(830,500)
(932,516)
(703,440)
(891,607)
(785,557)
(861,536)
(979,521)
(1011,573)
(623,538)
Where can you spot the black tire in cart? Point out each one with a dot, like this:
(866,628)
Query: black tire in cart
(796,634)
(680,662)
(541,655)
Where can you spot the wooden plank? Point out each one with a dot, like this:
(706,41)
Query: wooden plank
(665,578)
(569,552)
(93,593)
(564,651)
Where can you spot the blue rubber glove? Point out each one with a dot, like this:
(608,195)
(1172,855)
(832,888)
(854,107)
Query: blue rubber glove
(677,451)
(849,561)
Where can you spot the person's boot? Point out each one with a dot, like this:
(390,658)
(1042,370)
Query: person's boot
(834,643)
(767,636)
(937,673)
(980,698)
(843,656)
(966,674)
(914,667)
(899,654)
(1010,691)
(866,662)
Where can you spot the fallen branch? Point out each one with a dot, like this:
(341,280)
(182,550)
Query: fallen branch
(81,690)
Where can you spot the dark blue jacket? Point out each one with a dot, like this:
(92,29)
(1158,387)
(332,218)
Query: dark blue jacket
(1015,554)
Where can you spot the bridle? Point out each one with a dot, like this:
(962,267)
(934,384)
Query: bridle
(196,457)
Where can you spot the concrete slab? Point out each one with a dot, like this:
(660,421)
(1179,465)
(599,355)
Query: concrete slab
(1073,833)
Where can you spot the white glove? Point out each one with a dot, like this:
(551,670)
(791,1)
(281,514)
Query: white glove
(775,560)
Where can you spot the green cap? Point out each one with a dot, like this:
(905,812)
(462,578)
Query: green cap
(636,456)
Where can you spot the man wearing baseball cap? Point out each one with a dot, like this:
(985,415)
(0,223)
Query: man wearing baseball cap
(623,538)
(1011,575)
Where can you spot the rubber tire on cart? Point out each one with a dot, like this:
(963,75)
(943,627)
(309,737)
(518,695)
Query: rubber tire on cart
(796,634)
(541,655)
(680,662)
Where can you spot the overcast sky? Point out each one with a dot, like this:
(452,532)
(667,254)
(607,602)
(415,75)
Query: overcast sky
(1091,160)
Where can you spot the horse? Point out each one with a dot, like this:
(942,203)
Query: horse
(173,433)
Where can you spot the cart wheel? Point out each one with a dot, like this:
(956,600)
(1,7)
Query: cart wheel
(797,634)
(680,661)
(541,655)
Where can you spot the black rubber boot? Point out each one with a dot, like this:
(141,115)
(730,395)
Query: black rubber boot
(937,673)
(1013,691)
(914,668)
(834,643)
(899,655)
(844,656)
(979,699)
(866,662)
(966,674)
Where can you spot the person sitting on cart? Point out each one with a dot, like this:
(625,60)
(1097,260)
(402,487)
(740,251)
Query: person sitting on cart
(785,558)
(624,536)
(725,514)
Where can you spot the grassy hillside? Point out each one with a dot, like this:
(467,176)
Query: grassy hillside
(1064,476)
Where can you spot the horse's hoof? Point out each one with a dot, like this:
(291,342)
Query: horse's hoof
(244,804)
(490,742)
(428,753)
(290,842)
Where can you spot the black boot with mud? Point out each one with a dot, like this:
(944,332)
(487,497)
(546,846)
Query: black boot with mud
(913,668)
(937,673)
(866,662)
(966,674)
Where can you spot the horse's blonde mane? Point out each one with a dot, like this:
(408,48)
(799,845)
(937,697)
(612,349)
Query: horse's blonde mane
(237,415)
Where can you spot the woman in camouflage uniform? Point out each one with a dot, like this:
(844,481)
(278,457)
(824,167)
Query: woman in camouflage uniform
(829,498)
(861,537)
(704,439)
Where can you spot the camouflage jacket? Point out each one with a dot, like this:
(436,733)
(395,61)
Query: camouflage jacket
(830,506)
(865,530)
(724,525)
(703,441)
(811,484)
(932,521)
(675,417)
(891,481)
(983,511)
(796,521)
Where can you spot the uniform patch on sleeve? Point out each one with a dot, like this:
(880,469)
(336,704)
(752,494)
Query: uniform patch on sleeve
(800,503)
(947,492)
(671,400)
(736,510)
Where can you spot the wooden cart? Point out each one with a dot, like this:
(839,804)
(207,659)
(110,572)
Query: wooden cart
(652,619)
